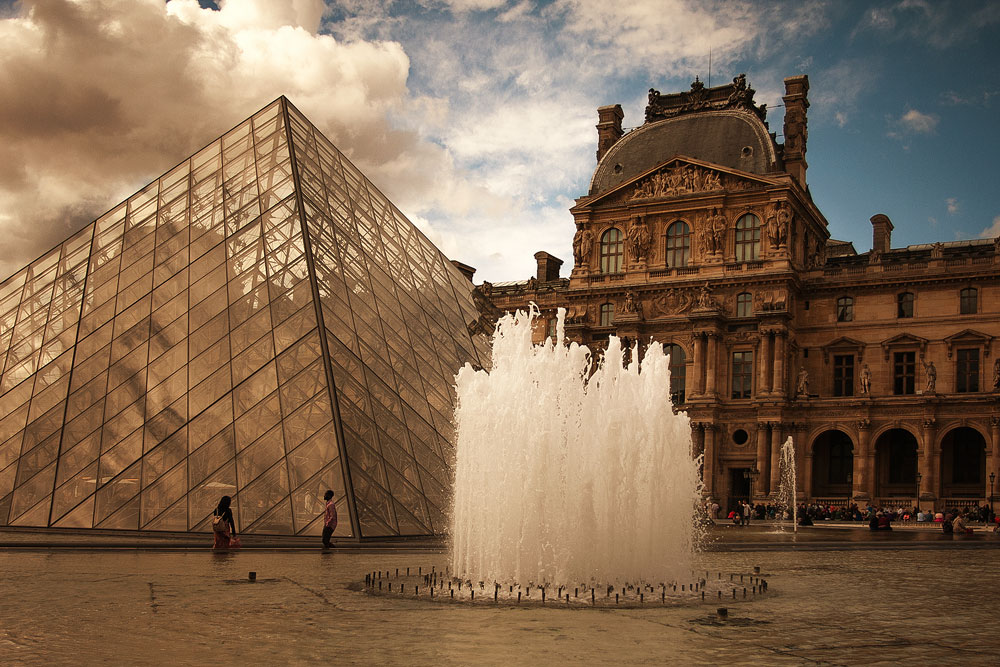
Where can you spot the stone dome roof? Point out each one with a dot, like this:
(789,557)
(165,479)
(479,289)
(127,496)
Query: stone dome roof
(729,138)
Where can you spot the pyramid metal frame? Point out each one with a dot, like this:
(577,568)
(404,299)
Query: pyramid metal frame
(260,321)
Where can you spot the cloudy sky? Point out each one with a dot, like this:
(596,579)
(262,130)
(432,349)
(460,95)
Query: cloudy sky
(476,117)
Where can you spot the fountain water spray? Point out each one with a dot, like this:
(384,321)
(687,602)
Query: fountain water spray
(787,483)
(562,475)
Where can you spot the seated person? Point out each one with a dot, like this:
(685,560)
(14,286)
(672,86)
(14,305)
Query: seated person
(885,522)
(873,522)
(804,520)
(959,526)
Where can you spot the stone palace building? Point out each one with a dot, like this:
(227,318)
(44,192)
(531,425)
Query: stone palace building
(699,233)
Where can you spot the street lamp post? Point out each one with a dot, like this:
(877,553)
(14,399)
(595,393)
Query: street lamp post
(850,490)
(993,477)
(918,490)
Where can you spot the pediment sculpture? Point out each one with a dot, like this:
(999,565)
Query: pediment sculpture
(680,179)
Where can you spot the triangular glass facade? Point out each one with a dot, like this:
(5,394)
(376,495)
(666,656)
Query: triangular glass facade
(260,322)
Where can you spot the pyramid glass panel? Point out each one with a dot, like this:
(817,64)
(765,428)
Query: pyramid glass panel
(259,322)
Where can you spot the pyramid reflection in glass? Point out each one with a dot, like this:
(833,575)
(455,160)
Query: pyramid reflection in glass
(259,322)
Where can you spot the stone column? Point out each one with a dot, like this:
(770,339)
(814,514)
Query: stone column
(928,464)
(707,434)
(994,466)
(863,484)
(712,363)
(764,372)
(776,457)
(762,486)
(778,382)
(699,364)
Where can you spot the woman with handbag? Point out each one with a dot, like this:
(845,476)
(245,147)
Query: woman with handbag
(223,525)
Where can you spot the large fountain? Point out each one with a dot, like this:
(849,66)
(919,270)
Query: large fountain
(570,473)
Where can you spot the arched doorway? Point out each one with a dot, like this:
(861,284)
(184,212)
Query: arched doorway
(963,464)
(833,463)
(896,464)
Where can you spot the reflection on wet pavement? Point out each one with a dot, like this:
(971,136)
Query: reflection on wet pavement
(858,606)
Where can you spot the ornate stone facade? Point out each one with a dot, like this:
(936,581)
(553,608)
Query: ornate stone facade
(879,365)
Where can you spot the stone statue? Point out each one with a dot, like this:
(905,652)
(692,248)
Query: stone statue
(638,239)
(629,306)
(583,243)
(704,299)
(931,374)
(802,384)
(866,380)
(714,236)
(778,224)
(996,375)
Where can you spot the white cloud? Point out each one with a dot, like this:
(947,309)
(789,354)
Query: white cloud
(916,121)
(104,95)
(992,231)
(839,89)
(952,204)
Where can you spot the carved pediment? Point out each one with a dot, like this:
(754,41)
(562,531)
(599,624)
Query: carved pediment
(843,344)
(678,177)
(969,337)
(904,340)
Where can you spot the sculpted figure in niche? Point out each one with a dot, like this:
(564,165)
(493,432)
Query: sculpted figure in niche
(714,236)
(638,239)
(866,380)
(931,374)
(996,375)
(583,243)
(777,225)
(802,385)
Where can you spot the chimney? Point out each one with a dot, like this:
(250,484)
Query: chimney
(465,269)
(609,128)
(796,89)
(881,233)
(548,267)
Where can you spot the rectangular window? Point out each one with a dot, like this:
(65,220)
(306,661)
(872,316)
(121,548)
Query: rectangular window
(967,371)
(904,372)
(969,301)
(742,374)
(843,375)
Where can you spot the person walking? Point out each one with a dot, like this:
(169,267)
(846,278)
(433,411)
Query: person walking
(223,526)
(329,519)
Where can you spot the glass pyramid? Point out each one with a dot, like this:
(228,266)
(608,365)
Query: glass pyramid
(259,322)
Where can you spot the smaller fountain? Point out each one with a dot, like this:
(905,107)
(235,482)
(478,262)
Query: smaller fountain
(787,482)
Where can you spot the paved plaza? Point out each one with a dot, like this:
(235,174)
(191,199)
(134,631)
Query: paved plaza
(835,598)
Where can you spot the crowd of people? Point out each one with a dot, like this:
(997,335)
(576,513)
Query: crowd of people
(952,520)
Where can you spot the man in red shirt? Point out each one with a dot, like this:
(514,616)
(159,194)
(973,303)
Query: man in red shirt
(329,520)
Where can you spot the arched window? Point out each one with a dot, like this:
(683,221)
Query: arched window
(678,372)
(744,305)
(969,301)
(612,250)
(904,304)
(678,244)
(845,309)
(607,314)
(748,238)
